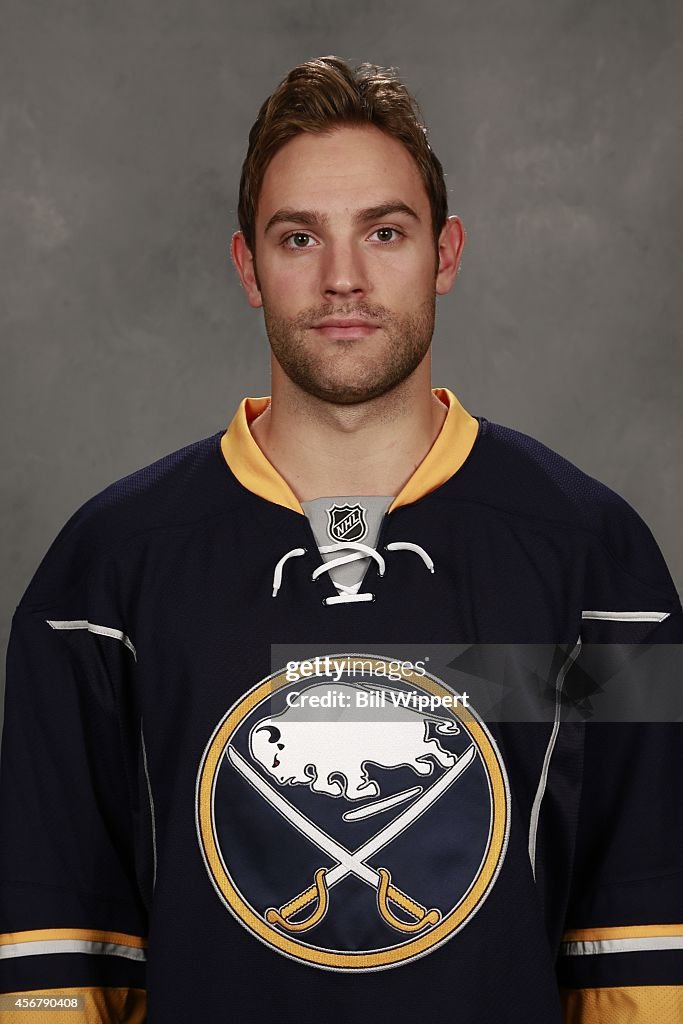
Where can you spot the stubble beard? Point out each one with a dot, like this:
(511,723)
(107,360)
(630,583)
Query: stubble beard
(327,368)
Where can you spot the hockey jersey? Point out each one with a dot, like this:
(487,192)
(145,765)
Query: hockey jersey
(234,786)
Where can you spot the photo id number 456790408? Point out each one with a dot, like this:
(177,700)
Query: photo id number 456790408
(41,1001)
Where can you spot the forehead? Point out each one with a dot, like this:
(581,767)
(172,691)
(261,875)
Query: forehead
(347,168)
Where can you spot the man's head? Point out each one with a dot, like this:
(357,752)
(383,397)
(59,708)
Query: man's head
(343,214)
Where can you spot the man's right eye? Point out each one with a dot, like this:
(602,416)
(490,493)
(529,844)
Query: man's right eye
(295,237)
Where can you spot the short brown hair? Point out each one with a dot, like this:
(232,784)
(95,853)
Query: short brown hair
(325,93)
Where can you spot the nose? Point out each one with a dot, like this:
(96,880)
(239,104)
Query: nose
(343,270)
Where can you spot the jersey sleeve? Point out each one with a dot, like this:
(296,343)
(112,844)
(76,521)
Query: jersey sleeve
(73,920)
(621,958)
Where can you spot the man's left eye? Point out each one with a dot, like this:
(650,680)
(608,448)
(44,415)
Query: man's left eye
(385,231)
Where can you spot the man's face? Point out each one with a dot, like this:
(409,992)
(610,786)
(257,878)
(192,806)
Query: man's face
(344,232)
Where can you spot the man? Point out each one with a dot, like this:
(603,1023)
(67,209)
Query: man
(190,833)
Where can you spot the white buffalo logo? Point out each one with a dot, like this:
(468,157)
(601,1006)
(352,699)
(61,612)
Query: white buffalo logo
(331,755)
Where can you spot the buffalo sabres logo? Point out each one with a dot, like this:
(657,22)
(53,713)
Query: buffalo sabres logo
(347,828)
(346,522)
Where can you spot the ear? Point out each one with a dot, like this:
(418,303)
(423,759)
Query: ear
(246,268)
(451,243)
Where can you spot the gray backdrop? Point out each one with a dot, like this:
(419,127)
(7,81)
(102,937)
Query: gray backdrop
(125,334)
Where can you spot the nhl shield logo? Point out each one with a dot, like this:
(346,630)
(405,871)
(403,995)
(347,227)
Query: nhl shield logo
(346,826)
(346,522)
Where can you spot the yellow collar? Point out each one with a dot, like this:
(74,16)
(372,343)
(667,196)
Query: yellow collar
(253,470)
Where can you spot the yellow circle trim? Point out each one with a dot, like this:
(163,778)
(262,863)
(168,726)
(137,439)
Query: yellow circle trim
(347,961)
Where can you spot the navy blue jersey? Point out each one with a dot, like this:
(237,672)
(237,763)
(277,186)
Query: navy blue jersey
(188,834)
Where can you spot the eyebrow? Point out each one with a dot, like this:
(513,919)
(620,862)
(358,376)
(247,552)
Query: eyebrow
(312,218)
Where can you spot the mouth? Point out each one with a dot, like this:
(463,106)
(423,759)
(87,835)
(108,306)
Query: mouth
(345,330)
(276,762)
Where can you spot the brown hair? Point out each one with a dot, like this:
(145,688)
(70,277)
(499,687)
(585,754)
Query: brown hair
(322,94)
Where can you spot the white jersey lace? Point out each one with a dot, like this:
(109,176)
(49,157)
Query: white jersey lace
(354,552)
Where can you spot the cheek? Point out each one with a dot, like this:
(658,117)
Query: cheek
(405,285)
(407,265)
(282,283)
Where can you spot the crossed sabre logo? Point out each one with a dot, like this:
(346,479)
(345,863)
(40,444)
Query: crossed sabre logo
(286,801)
(349,862)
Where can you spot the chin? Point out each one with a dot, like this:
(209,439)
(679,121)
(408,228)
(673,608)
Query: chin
(347,394)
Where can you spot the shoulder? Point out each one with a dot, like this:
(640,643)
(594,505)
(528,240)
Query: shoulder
(183,486)
(518,475)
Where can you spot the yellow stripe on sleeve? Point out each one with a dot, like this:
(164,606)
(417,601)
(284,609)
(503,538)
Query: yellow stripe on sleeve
(638,1004)
(634,931)
(91,934)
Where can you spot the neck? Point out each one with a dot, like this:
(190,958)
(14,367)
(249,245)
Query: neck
(369,448)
